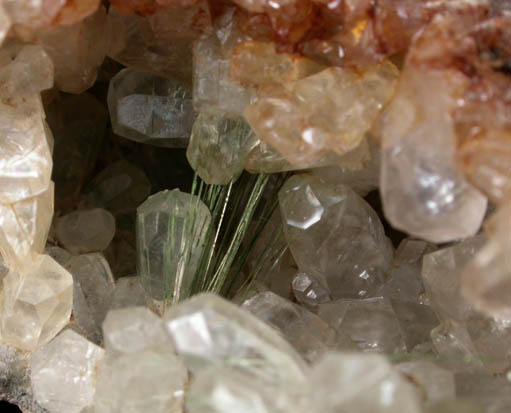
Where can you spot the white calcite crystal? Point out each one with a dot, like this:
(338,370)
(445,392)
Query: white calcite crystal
(93,286)
(24,227)
(208,330)
(308,333)
(423,193)
(151,380)
(63,373)
(128,292)
(76,50)
(171,226)
(151,109)
(85,231)
(435,383)
(349,382)
(36,304)
(219,145)
(224,390)
(371,323)
(131,330)
(334,234)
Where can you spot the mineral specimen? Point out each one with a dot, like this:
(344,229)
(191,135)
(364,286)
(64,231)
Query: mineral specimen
(207,330)
(36,304)
(171,226)
(335,234)
(85,231)
(63,373)
(150,109)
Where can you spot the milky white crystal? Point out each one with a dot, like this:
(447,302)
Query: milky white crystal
(36,304)
(128,292)
(208,330)
(63,373)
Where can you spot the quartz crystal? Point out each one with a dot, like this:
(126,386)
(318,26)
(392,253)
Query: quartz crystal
(335,234)
(224,390)
(208,330)
(171,226)
(331,110)
(150,109)
(487,277)
(360,382)
(160,43)
(310,291)
(151,380)
(63,373)
(36,304)
(76,50)
(435,383)
(371,323)
(24,227)
(120,187)
(93,286)
(490,392)
(85,231)
(218,147)
(128,292)
(132,330)
(423,193)
(310,335)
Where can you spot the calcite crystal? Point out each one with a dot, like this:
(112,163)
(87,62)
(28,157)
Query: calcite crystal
(24,227)
(150,109)
(310,335)
(328,111)
(207,330)
(218,147)
(171,226)
(85,231)
(36,304)
(63,373)
(335,234)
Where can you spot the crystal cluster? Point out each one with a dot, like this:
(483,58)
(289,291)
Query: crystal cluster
(255,206)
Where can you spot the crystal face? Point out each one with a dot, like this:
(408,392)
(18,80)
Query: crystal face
(171,226)
(37,304)
(150,109)
(63,373)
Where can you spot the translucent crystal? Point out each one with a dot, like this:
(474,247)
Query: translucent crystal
(161,43)
(435,383)
(171,226)
(310,335)
(335,234)
(423,194)
(441,273)
(77,51)
(63,373)
(218,147)
(224,390)
(128,292)
(488,293)
(120,187)
(489,392)
(93,285)
(456,406)
(150,109)
(360,382)
(208,330)
(36,304)
(24,227)
(58,254)
(309,290)
(331,110)
(132,330)
(152,380)
(85,231)
(370,323)
(213,89)
(404,280)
